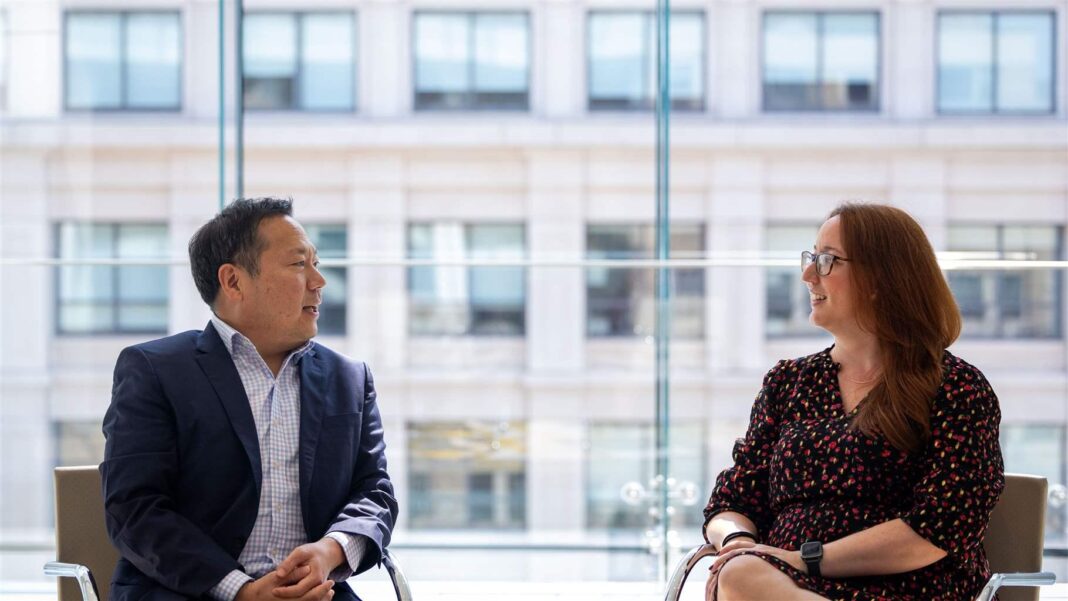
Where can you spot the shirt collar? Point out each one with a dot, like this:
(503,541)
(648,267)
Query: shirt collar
(231,337)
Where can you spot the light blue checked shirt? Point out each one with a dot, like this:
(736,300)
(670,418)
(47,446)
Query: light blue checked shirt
(279,527)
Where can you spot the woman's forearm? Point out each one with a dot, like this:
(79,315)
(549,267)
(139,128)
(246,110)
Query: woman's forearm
(888,548)
(724,523)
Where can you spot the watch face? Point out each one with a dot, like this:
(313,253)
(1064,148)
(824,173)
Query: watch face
(811,549)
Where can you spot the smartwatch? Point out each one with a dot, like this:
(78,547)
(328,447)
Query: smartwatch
(811,554)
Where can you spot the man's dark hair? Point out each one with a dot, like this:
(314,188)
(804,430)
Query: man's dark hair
(232,236)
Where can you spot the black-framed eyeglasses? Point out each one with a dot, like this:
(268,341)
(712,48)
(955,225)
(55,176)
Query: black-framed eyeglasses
(824,261)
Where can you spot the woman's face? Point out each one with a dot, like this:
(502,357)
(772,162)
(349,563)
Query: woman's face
(831,295)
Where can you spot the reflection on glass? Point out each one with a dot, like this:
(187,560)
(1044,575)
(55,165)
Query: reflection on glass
(622,453)
(1006,303)
(467,474)
(299,61)
(622,60)
(995,62)
(821,61)
(331,241)
(620,301)
(786,297)
(97,299)
(477,300)
(471,60)
(123,60)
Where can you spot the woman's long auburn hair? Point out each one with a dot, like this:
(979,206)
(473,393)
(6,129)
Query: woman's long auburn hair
(903,299)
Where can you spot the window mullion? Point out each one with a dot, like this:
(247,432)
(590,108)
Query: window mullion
(116,292)
(995,31)
(472,60)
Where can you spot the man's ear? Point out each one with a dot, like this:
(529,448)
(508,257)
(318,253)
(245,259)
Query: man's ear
(231,280)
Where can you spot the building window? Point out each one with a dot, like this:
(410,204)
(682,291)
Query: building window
(620,301)
(1022,303)
(1041,449)
(469,61)
(123,60)
(821,61)
(466,301)
(786,299)
(300,61)
(623,453)
(996,62)
(469,474)
(622,60)
(112,299)
(331,242)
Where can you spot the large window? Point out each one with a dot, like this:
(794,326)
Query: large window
(467,474)
(107,299)
(996,62)
(300,61)
(1042,450)
(331,241)
(477,300)
(1024,303)
(621,301)
(472,60)
(123,60)
(621,456)
(786,298)
(622,60)
(821,61)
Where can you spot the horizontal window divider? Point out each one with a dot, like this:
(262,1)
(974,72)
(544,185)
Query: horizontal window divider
(947,261)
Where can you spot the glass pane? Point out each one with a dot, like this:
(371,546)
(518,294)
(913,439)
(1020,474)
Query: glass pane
(850,55)
(439,295)
(790,61)
(153,61)
(85,282)
(270,60)
(443,58)
(1025,62)
(331,242)
(467,474)
(786,297)
(328,69)
(686,52)
(618,61)
(497,293)
(94,61)
(3,58)
(965,62)
(1041,449)
(501,61)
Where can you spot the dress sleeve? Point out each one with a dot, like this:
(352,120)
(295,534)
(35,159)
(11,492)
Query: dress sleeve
(962,473)
(743,488)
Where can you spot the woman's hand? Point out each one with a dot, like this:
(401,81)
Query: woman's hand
(737,546)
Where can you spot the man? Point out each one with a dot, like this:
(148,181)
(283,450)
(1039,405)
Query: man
(245,461)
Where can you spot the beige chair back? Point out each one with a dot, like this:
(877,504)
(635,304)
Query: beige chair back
(80,534)
(1013,540)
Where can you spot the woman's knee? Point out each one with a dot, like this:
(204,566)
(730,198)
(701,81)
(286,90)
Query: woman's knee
(739,576)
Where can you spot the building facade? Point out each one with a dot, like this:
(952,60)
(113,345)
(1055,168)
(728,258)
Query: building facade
(519,399)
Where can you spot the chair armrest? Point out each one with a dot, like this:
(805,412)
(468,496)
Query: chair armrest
(74,570)
(682,570)
(400,583)
(1015,579)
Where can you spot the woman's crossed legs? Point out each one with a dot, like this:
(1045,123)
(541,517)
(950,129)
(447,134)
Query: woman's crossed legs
(750,578)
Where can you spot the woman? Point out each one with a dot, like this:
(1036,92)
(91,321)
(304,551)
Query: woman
(880,454)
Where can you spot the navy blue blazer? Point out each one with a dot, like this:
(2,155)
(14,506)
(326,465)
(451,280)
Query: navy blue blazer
(181,471)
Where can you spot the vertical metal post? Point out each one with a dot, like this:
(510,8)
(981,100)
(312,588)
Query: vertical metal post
(239,94)
(222,103)
(663,283)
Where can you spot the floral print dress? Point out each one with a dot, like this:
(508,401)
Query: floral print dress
(802,474)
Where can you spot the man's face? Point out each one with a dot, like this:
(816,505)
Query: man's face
(280,305)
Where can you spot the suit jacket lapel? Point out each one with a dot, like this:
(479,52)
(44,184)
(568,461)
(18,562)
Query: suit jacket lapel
(219,367)
(312,408)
